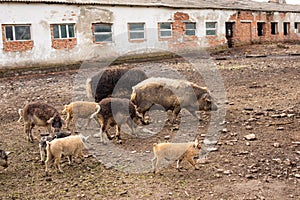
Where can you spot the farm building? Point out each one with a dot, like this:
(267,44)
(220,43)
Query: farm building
(55,32)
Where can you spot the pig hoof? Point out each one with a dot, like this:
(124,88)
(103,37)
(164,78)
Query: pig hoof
(119,141)
(111,137)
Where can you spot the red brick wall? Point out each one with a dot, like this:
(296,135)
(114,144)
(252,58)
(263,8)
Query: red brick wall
(11,46)
(66,43)
(179,40)
(245,27)
(69,43)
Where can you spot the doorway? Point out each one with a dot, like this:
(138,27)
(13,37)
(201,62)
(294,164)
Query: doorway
(229,33)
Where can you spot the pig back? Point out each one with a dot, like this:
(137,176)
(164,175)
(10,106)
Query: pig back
(38,112)
(165,91)
(70,145)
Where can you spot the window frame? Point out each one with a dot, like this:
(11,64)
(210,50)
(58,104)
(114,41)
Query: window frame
(276,31)
(286,28)
(261,32)
(67,31)
(14,36)
(136,31)
(211,29)
(165,30)
(297,27)
(103,33)
(188,29)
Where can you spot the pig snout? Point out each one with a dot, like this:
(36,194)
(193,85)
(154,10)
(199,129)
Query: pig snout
(213,107)
(3,163)
(3,159)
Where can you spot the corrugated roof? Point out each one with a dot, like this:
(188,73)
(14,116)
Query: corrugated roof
(188,4)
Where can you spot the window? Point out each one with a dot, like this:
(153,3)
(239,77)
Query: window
(190,28)
(136,31)
(274,28)
(297,27)
(165,30)
(102,32)
(211,28)
(61,31)
(17,32)
(260,28)
(286,28)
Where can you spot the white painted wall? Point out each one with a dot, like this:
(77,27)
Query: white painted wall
(40,16)
(287,1)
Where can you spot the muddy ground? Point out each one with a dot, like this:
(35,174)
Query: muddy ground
(262,98)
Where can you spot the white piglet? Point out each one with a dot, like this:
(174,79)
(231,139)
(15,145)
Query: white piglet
(68,146)
(80,109)
(175,152)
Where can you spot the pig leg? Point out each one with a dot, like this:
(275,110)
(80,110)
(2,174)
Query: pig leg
(68,120)
(102,131)
(88,123)
(192,162)
(57,163)
(118,131)
(157,165)
(178,164)
(193,111)
(101,135)
(144,109)
(28,131)
(153,165)
(49,129)
(132,126)
(105,127)
(80,155)
(49,159)
(47,165)
(175,113)
(70,159)
(100,122)
(42,153)
(74,120)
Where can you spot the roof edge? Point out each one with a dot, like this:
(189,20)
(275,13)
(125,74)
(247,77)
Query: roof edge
(157,4)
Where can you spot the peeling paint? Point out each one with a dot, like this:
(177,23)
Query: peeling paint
(41,50)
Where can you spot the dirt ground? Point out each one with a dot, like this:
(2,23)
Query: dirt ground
(262,98)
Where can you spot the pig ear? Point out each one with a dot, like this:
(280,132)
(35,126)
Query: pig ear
(64,110)
(196,143)
(206,97)
(49,121)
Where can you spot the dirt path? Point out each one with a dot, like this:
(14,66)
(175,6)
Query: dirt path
(262,98)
